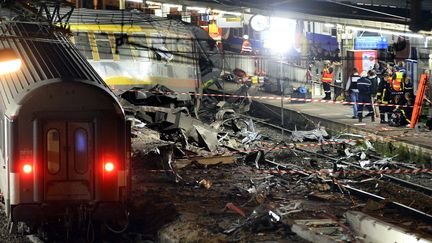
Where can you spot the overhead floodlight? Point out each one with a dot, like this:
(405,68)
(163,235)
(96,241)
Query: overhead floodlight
(281,34)
(9,61)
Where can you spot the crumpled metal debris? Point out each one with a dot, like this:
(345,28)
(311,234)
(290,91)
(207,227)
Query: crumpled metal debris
(292,207)
(159,95)
(208,137)
(261,217)
(205,183)
(220,115)
(317,134)
(136,123)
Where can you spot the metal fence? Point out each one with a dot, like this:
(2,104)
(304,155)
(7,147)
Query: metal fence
(273,68)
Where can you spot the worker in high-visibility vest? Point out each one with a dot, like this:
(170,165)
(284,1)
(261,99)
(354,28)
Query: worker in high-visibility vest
(397,81)
(326,79)
(246,46)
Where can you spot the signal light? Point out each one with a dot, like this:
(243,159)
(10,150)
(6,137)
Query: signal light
(27,168)
(109,166)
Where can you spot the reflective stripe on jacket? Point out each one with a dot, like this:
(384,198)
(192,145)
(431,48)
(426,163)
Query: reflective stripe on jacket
(246,46)
(326,76)
(397,81)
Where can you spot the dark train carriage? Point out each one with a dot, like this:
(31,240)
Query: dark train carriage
(64,138)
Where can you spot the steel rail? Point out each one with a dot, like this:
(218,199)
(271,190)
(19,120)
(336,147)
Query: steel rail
(403,208)
(414,186)
(399,206)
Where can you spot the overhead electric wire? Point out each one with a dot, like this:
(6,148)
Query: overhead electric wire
(367,10)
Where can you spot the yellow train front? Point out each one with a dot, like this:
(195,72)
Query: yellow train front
(64,137)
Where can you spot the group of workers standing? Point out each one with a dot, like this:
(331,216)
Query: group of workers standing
(389,87)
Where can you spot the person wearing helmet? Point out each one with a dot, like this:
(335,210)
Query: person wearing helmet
(246,46)
(384,96)
(326,79)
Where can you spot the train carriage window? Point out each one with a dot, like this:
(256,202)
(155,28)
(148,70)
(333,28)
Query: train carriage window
(171,45)
(81,151)
(124,50)
(82,42)
(141,46)
(184,48)
(103,46)
(53,151)
(160,50)
(235,32)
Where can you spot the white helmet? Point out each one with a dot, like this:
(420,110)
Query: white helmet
(246,37)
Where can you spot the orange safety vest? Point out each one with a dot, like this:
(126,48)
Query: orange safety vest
(246,47)
(326,76)
(397,82)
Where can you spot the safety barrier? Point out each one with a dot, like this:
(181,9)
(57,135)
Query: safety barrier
(328,171)
(343,172)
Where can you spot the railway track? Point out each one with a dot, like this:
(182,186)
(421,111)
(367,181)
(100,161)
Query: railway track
(403,182)
(365,194)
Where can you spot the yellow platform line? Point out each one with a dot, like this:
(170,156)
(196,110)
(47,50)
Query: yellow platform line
(93,46)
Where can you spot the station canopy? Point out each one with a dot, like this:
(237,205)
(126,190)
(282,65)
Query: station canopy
(395,14)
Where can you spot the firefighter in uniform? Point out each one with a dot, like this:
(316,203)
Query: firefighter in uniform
(364,85)
(326,79)
(384,97)
(400,116)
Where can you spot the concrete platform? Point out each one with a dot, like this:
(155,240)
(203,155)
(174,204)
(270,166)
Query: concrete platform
(337,118)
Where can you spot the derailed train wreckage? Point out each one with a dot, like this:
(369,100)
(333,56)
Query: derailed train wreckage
(132,49)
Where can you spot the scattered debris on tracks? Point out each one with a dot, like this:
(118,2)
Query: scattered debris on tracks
(203,171)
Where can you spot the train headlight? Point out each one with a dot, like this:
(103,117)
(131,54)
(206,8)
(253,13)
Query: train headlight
(27,168)
(109,166)
(9,61)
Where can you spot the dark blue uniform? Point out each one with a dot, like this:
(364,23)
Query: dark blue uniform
(364,86)
(384,95)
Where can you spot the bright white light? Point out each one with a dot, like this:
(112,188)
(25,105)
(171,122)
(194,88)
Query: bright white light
(154,3)
(135,1)
(389,32)
(281,34)
(199,9)
(226,12)
(10,66)
(329,25)
(179,7)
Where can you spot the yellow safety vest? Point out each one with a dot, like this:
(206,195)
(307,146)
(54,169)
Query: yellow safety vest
(396,84)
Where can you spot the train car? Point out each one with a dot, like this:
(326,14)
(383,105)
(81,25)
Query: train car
(233,39)
(64,146)
(133,49)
